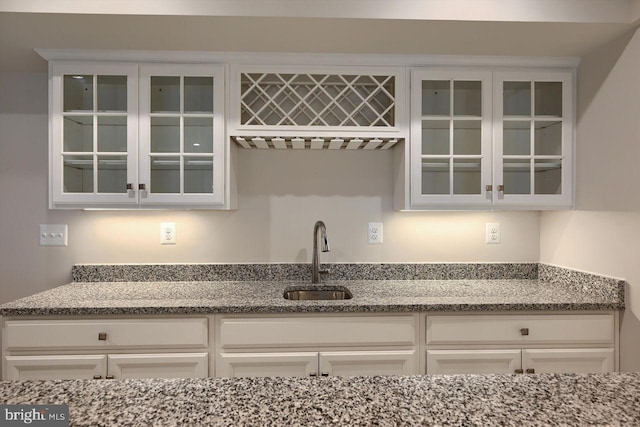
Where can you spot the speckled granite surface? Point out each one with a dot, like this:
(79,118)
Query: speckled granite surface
(456,400)
(98,298)
(280,271)
(560,289)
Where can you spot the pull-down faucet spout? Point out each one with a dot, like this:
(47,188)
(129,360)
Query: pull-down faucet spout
(324,247)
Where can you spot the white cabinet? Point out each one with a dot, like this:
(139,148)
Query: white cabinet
(533,139)
(451,146)
(136,135)
(106,348)
(334,363)
(317,345)
(491,139)
(458,344)
(49,367)
(119,366)
(520,361)
(317,106)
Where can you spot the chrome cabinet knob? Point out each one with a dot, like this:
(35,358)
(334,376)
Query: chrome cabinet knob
(102,336)
(524,331)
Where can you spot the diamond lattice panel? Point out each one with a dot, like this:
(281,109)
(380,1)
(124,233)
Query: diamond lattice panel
(319,100)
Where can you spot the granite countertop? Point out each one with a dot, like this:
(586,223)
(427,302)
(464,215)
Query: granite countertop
(462,400)
(108,298)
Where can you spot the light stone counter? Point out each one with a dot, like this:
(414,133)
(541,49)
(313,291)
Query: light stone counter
(147,290)
(457,400)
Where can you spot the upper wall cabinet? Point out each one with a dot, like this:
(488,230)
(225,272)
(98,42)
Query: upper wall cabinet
(317,107)
(491,139)
(130,135)
(451,137)
(533,139)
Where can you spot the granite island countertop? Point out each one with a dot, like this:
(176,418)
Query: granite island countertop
(456,400)
(114,298)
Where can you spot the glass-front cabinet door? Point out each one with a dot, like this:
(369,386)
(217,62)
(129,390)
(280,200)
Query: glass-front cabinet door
(533,139)
(93,130)
(181,134)
(451,138)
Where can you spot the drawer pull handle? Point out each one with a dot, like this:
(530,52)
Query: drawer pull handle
(97,377)
(325,374)
(313,374)
(109,377)
(519,371)
(524,331)
(531,371)
(102,336)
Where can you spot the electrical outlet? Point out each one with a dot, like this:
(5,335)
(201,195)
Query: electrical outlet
(53,235)
(168,235)
(375,233)
(492,233)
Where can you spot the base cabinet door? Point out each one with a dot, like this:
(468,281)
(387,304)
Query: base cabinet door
(473,361)
(343,363)
(65,367)
(167,365)
(577,360)
(294,364)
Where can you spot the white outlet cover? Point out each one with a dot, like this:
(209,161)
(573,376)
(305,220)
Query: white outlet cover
(53,235)
(492,233)
(374,233)
(168,235)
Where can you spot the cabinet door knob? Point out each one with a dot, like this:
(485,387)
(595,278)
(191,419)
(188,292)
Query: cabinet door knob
(531,371)
(489,188)
(313,374)
(97,377)
(325,374)
(519,371)
(102,336)
(109,377)
(501,188)
(524,331)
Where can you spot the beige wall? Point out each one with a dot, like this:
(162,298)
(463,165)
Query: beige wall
(282,194)
(602,235)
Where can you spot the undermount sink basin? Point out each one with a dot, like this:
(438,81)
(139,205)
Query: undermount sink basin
(311,293)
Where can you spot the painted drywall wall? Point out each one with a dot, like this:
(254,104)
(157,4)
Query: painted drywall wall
(602,235)
(281,195)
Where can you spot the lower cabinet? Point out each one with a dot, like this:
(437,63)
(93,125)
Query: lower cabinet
(125,366)
(106,348)
(305,345)
(520,361)
(299,364)
(514,343)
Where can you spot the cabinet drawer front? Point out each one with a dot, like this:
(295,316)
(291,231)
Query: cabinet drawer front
(344,363)
(530,329)
(281,332)
(473,361)
(236,365)
(165,365)
(582,360)
(67,367)
(62,334)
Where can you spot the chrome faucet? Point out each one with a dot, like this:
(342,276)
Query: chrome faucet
(315,264)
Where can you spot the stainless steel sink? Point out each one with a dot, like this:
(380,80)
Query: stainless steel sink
(311,293)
